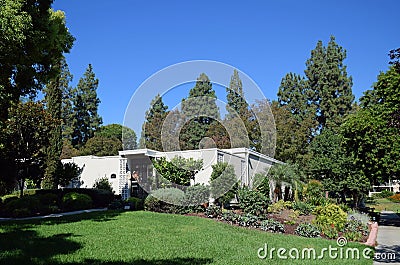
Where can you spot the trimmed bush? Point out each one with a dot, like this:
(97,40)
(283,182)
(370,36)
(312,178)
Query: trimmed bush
(307,230)
(169,195)
(271,225)
(330,215)
(197,194)
(22,207)
(279,206)
(74,201)
(252,201)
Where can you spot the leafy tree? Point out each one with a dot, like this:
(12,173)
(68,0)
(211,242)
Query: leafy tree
(85,104)
(33,39)
(27,131)
(101,146)
(292,136)
(68,150)
(223,183)
(124,134)
(179,170)
(103,184)
(66,172)
(200,111)
(329,84)
(151,129)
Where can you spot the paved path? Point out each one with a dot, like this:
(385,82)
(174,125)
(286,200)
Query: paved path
(53,215)
(388,249)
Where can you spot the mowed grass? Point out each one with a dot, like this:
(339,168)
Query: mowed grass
(383,204)
(146,238)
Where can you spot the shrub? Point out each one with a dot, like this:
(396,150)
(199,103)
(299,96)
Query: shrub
(356,226)
(303,207)
(330,231)
(152,204)
(197,194)
(8,198)
(223,183)
(272,226)
(48,199)
(116,205)
(231,217)
(103,184)
(248,220)
(135,203)
(395,197)
(313,192)
(307,230)
(213,211)
(252,201)
(279,206)
(363,218)
(22,207)
(169,195)
(330,215)
(75,201)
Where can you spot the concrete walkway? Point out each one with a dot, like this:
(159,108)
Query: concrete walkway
(388,249)
(54,215)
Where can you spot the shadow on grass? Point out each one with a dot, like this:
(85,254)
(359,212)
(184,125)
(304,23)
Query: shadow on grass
(26,247)
(100,216)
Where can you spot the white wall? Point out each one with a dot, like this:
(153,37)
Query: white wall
(97,167)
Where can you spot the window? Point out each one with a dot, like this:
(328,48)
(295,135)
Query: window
(113,176)
(220,158)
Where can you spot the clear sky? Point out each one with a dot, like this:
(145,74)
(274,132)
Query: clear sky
(127,41)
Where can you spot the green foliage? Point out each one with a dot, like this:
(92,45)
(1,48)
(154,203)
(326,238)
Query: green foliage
(197,194)
(271,225)
(169,195)
(179,170)
(231,217)
(200,111)
(33,40)
(125,135)
(101,146)
(85,105)
(223,183)
(261,181)
(68,172)
(313,192)
(151,129)
(252,201)
(330,216)
(75,201)
(153,204)
(213,211)
(27,131)
(22,207)
(383,194)
(307,230)
(103,184)
(248,220)
(279,206)
(355,230)
(303,207)
(135,203)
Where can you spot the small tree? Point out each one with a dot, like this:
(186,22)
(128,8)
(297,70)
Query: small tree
(103,184)
(67,172)
(223,183)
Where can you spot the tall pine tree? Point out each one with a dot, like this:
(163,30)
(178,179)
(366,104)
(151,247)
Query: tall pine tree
(329,84)
(200,111)
(86,120)
(151,129)
(53,97)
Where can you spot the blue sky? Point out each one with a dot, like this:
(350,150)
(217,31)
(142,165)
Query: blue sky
(127,41)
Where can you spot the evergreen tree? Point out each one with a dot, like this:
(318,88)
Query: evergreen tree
(329,84)
(53,97)
(85,104)
(151,129)
(236,101)
(200,111)
(67,102)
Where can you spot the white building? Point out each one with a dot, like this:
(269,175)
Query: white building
(117,168)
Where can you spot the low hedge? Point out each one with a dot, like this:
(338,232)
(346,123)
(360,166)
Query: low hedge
(74,201)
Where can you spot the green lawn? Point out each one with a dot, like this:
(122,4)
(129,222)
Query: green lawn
(384,204)
(146,238)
